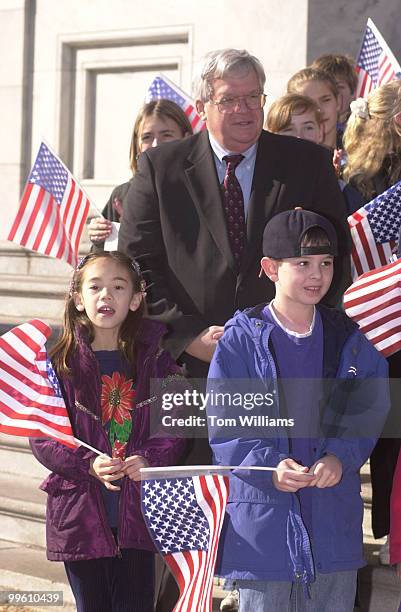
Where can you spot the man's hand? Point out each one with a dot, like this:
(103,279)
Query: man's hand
(291,477)
(205,344)
(327,471)
(132,465)
(107,470)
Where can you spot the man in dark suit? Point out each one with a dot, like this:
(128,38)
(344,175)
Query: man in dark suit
(175,223)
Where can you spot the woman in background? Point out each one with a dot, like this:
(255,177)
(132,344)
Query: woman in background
(157,122)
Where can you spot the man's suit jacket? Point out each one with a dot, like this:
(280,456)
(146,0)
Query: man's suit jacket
(174,224)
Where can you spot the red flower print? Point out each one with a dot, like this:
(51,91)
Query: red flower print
(119,450)
(116,398)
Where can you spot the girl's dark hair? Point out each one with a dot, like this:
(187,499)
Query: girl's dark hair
(77,326)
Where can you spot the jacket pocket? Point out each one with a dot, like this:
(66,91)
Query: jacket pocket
(62,500)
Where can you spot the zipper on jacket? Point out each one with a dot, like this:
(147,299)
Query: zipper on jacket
(270,360)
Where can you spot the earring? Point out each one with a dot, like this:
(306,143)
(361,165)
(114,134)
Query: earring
(80,307)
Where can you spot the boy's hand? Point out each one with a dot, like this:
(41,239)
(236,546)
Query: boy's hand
(106,470)
(291,477)
(327,471)
(132,466)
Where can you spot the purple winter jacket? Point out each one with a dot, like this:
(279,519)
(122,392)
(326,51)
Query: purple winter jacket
(76,523)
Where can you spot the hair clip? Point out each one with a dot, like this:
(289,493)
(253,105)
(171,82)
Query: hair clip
(142,282)
(136,267)
(360,108)
(82,261)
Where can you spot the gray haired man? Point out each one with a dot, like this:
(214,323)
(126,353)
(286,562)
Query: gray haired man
(196,210)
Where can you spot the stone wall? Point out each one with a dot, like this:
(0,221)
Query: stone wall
(74,73)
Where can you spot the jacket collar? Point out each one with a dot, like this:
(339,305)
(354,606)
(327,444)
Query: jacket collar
(149,337)
(337,328)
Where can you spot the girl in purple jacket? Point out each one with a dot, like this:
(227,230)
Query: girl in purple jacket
(104,359)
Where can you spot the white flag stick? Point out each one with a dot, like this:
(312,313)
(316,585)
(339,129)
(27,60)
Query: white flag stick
(186,470)
(81,443)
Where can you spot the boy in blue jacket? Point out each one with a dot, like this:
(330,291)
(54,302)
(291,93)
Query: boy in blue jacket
(292,539)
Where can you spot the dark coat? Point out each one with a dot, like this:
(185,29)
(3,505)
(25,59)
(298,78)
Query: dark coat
(174,224)
(76,523)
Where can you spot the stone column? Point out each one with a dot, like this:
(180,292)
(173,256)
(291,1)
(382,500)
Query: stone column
(16,79)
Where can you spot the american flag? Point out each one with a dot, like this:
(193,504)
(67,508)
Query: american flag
(52,211)
(374,231)
(374,302)
(185,516)
(376,65)
(31,403)
(162,87)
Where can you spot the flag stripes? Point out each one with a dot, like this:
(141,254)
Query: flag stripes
(29,403)
(53,210)
(185,517)
(374,302)
(374,231)
(376,64)
(163,88)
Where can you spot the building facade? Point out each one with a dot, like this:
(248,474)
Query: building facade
(75,72)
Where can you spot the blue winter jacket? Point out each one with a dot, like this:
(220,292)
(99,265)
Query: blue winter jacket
(263,536)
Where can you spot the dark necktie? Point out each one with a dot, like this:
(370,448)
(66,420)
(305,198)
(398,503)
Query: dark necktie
(233,200)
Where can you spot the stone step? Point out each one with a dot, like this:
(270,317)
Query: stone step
(16,458)
(22,510)
(25,568)
(15,259)
(27,297)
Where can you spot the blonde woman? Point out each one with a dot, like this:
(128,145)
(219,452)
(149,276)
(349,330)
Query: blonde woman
(372,141)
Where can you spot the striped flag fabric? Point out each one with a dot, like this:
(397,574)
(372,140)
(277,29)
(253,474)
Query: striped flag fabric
(53,210)
(374,231)
(162,87)
(376,64)
(31,403)
(374,302)
(184,516)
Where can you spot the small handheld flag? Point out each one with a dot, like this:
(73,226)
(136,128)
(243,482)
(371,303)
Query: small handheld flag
(162,88)
(184,516)
(374,302)
(52,211)
(374,231)
(376,64)
(31,403)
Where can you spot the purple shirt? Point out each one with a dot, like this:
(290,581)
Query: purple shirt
(300,356)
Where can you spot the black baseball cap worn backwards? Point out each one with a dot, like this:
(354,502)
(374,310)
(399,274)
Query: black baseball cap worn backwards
(283,234)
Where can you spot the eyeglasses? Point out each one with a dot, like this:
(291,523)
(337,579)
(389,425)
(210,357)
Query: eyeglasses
(252,101)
